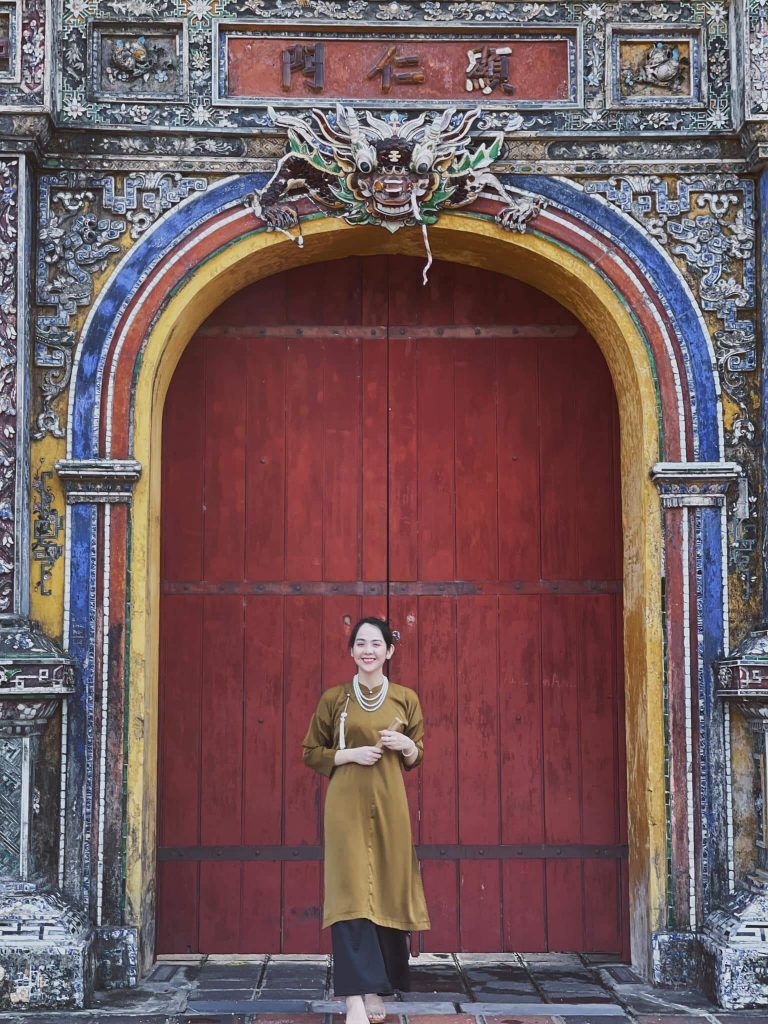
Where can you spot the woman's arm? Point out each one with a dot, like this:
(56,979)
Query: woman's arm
(357,755)
(319,751)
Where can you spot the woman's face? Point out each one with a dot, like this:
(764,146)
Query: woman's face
(369,649)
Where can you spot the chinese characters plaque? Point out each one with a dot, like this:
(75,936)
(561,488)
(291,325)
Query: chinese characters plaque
(519,69)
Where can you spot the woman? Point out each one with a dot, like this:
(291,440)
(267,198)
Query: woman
(373,891)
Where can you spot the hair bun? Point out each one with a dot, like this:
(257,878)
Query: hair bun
(396,635)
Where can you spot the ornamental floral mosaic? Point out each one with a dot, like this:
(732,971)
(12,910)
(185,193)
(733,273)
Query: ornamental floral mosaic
(707,225)
(757,58)
(9,234)
(84,222)
(22,52)
(185,64)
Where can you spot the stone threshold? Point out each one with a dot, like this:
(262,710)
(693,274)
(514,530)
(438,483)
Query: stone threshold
(408,1009)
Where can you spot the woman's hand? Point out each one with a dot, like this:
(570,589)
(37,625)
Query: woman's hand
(357,755)
(393,740)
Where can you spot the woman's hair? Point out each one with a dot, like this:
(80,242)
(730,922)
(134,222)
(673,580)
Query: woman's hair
(371,620)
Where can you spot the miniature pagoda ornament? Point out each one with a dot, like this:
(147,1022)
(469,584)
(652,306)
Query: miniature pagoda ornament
(389,171)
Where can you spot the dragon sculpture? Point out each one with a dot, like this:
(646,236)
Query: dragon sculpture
(388,171)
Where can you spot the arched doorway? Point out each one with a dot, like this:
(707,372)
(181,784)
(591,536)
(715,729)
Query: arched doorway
(339,439)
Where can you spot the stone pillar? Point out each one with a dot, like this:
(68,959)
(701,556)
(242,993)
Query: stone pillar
(735,940)
(693,504)
(45,943)
(99,494)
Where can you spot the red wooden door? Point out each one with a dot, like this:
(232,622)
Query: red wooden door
(340,441)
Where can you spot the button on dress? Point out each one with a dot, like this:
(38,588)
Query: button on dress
(371,869)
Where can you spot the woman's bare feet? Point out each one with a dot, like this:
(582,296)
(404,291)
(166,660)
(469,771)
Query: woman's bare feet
(356,1013)
(374,1008)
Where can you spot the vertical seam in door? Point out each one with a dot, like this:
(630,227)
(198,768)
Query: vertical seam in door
(283,645)
(323,464)
(201,637)
(388,567)
(540,602)
(244,654)
(455,615)
(499,752)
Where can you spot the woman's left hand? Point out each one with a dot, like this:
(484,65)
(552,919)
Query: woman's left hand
(396,741)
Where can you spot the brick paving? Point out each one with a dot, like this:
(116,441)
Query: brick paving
(447,989)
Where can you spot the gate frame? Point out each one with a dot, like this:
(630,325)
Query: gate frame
(632,299)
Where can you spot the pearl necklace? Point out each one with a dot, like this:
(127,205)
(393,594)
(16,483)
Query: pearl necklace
(370,703)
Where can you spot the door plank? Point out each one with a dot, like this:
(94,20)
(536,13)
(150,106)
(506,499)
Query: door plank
(265,370)
(225,464)
(477,550)
(181,551)
(436,463)
(403,493)
(374,465)
(342,482)
(518,460)
(304,460)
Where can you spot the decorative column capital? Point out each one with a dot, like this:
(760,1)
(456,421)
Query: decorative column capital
(98,480)
(687,484)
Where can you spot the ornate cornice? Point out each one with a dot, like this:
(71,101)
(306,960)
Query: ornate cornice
(98,480)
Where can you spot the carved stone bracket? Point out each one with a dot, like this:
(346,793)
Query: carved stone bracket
(103,481)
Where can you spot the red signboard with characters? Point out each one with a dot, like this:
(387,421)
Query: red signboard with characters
(399,68)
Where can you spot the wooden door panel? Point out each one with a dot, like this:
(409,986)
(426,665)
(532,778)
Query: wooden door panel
(565,904)
(183,468)
(519,459)
(520,721)
(402,461)
(524,894)
(480,901)
(219,908)
(225,464)
(475,449)
(307,471)
(178,909)
(264,747)
(180,725)
(436,483)
(374,487)
(439,697)
(603,900)
(304,460)
(598,722)
(221,741)
(261,906)
(561,761)
(266,373)
(441,890)
(478,739)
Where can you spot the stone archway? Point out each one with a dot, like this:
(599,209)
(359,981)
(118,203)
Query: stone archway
(210,248)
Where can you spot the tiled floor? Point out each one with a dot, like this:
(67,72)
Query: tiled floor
(446,989)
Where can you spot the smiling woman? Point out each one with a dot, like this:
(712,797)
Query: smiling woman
(359,735)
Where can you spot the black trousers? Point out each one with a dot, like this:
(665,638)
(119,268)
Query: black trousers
(369,958)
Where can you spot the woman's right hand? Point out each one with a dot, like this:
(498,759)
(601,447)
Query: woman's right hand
(358,755)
